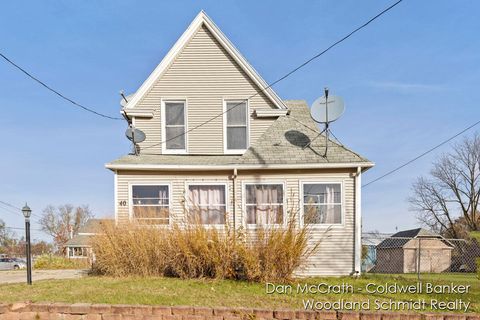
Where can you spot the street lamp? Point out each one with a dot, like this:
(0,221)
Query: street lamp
(26,213)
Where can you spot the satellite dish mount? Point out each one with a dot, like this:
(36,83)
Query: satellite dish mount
(135,136)
(325,110)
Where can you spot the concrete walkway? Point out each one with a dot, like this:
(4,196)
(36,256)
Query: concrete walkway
(21,275)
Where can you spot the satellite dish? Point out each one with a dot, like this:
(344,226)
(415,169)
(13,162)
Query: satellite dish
(135,135)
(123,103)
(327,109)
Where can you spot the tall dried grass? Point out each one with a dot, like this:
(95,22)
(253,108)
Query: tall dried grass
(198,251)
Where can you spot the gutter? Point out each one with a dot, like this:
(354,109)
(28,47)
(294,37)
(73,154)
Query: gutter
(362,166)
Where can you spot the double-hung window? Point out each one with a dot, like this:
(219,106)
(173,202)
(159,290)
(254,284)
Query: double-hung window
(207,203)
(150,204)
(236,126)
(322,203)
(264,204)
(174,115)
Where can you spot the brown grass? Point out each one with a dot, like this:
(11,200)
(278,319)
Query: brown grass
(199,251)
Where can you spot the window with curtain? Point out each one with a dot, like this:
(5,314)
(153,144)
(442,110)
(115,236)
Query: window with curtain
(207,204)
(264,203)
(237,125)
(151,204)
(175,125)
(322,203)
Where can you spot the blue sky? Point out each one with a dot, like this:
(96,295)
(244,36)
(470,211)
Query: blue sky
(408,80)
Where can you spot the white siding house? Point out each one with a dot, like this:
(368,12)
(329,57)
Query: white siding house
(216,139)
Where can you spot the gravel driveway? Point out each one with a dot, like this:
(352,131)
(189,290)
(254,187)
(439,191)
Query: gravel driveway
(21,275)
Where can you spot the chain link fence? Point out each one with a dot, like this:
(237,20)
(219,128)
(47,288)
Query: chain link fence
(383,253)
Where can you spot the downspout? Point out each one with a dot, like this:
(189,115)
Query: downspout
(358,222)
(234,198)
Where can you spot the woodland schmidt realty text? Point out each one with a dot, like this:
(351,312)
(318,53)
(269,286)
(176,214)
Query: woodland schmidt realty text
(380,303)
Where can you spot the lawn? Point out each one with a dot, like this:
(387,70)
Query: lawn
(171,291)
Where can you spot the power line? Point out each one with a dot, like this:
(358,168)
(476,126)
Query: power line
(10,205)
(422,154)
(286,75)
(57,92)
(15,228)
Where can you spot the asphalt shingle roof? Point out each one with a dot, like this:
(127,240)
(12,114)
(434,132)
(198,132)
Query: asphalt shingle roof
(282,143)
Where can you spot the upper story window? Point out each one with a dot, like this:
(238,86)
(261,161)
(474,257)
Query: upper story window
(174,126)
(150,204)
(207,203)
(264,204)
(236,126)
(322,203)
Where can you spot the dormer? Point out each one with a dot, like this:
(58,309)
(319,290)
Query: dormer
(203,98)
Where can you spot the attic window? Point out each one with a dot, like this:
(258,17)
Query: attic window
(174,125)
(236,126)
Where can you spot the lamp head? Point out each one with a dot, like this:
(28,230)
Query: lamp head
(26,211)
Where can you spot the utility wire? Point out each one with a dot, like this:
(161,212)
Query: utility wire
(10,205)
(57,92)
(286,75)
(422,154)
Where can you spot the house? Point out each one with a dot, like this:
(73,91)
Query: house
(221,149)
(413,250)
(79,246)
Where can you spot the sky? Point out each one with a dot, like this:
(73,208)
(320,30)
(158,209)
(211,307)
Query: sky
(408,82)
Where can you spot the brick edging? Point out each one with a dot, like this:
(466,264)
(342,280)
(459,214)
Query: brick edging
(89,311)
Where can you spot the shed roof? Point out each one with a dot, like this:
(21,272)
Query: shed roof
(401,238)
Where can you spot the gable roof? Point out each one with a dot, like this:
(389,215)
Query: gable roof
(401,238)
(280,147)
(203,20)
(92,226)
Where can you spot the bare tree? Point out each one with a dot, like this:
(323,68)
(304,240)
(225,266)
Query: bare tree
(447,201)
(64,221)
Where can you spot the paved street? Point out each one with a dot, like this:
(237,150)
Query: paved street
(21,275)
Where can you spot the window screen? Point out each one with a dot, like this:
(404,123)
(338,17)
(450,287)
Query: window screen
(175,125)
(237,129)
(151,204)
(322,203)
(264,203)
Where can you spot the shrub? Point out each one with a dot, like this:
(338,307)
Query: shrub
(196,251)
(58,262)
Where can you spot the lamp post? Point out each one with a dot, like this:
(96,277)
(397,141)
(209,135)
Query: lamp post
(26,213)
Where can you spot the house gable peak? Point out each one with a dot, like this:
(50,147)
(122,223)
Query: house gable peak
(203,20)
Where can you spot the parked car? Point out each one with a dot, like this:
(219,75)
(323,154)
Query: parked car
(11,264)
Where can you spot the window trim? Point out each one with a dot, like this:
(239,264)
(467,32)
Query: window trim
(208,183)
(342,203)
(224,110)
(164,125)
(244,203)
(130,200)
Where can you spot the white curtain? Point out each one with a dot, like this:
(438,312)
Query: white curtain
(265,201)
(330,207)
(207,203)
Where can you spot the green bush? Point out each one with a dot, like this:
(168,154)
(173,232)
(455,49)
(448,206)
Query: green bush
(58,262)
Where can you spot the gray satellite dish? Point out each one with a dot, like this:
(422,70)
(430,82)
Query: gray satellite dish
(124,100)
(327,109)
(135,135)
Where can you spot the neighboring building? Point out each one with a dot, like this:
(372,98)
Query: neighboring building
(80,246)
(412,250)
(370,241)
(221,150)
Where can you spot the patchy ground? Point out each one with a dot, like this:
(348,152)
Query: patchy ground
(20,276)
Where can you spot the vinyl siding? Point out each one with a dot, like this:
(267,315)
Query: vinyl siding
(204,74)
(336,252)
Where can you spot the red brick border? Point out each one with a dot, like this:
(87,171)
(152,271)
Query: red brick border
(88,311)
